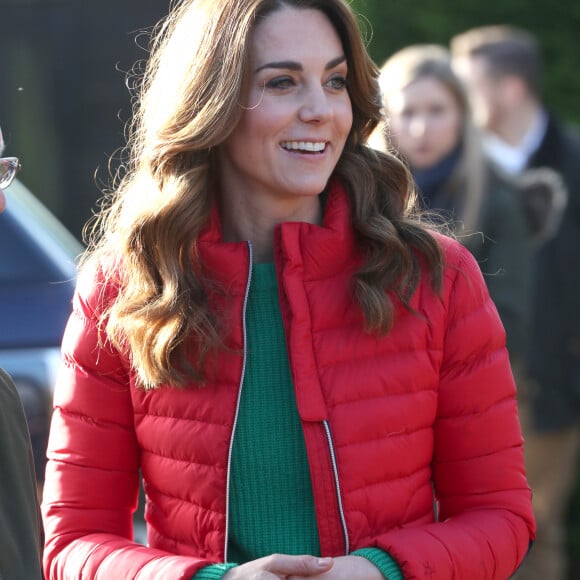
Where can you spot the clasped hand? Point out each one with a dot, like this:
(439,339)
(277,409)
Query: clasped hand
(285,567)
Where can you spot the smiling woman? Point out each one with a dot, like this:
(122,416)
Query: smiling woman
(268,333)
(294,108)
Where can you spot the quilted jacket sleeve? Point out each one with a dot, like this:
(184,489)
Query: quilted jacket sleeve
(92,481)
(485,522)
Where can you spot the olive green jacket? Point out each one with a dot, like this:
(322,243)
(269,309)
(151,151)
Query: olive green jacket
(20,527)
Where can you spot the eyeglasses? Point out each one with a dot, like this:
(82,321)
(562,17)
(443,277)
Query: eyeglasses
(9,167)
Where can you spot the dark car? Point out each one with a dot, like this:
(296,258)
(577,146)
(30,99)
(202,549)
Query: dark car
(37,279)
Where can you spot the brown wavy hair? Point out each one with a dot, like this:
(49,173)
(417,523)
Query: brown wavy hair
(187,103)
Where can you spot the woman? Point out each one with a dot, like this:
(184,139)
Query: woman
(295,364)
(430,126)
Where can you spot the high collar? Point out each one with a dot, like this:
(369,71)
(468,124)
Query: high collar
(320,250)
(513,159)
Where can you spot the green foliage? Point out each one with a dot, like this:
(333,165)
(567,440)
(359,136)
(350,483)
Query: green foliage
(398,23)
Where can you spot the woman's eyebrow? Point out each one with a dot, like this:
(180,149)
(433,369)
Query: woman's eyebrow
(296,66)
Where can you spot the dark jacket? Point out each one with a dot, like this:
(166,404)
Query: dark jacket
(502,250)
(20,531)
(554,357)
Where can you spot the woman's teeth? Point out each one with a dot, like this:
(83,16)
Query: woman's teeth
(308,146)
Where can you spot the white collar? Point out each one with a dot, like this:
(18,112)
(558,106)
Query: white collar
(514,158)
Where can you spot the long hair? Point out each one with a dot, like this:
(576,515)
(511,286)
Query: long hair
(187,104)
(469,180)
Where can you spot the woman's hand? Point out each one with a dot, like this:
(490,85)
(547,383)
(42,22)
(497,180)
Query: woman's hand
(281,567)
(347,568)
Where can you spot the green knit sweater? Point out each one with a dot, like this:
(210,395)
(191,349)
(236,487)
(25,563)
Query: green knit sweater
(271,503)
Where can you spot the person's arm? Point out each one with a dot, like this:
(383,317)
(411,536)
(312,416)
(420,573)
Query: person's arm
(91,485)
(485,522)
(387,566)
(20,530)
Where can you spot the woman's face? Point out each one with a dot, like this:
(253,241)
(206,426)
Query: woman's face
(426,122)
(297,113)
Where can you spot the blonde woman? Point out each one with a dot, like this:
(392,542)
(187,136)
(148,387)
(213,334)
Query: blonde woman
(263,329)
(430,125)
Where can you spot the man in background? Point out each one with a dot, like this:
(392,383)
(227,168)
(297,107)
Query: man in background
(20,527)
(501,67)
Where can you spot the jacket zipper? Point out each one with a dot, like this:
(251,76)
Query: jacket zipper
(230,451)
(244,333)
(337,485)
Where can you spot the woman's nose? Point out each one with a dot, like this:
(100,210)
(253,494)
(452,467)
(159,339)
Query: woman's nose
(316,105)
(418,126)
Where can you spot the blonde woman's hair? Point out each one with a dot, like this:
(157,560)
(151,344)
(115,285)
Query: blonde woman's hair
(187,104)
(433,61)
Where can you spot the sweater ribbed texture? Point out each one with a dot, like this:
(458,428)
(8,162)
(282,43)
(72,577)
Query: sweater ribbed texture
(383,561)
(271,501)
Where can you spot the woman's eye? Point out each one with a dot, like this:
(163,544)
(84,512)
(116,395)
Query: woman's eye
(338,83)
(280,83)
(437,110)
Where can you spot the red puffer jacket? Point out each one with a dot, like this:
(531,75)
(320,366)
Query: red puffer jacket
(388,423)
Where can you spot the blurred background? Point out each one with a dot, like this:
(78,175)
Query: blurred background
(64,63)
(64,101)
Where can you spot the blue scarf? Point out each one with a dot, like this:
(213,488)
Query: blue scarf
(430,181)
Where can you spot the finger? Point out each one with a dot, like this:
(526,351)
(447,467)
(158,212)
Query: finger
(297,565)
